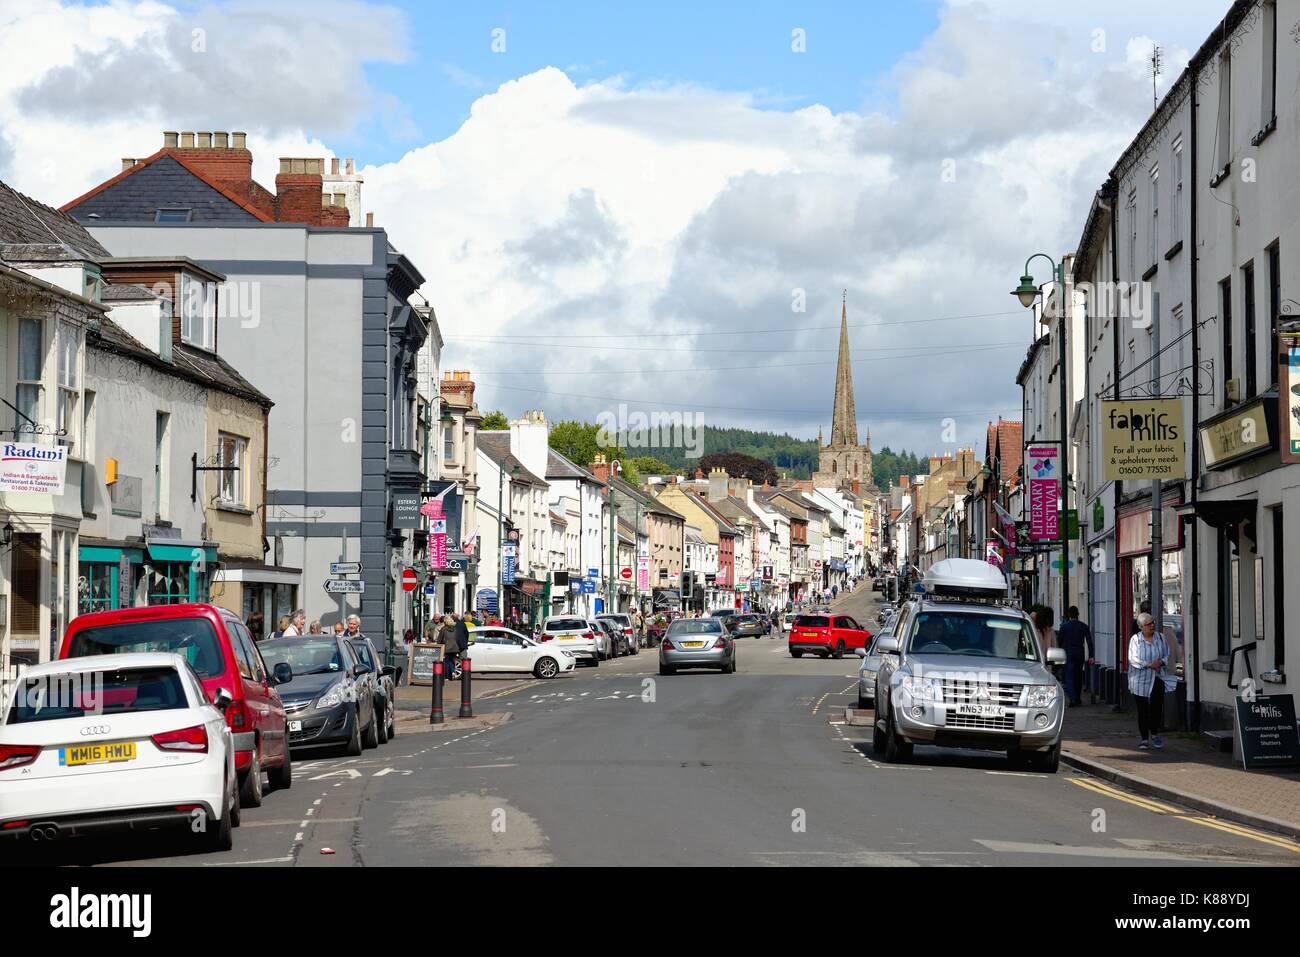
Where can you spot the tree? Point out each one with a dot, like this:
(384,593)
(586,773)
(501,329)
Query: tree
(494,421)
(738,465)
(580,442)
(649,465)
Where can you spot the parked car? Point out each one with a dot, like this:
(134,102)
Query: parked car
(723,613)
(786,621)
(748,626)
(496,648)
(826,635)
(217,645)
(697,643)
(624,623)
(574,636)
(329,694)
(870,665)
(127,742)
(964,669)
(617,641)
(385,692)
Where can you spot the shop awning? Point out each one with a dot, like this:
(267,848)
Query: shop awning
(1217,514)
(172,552)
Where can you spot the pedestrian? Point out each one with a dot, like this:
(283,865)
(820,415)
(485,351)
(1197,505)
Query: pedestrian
(354,627)
(256,625)
(460,633)
(297,623)
(1148,656)
(314,629)
(338,628)
(433,629)
(284,627)
(1074,636)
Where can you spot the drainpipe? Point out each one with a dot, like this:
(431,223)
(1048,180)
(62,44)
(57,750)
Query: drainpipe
(1194,708)
(1120,612)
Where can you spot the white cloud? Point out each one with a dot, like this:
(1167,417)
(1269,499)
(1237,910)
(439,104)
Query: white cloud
(598,208)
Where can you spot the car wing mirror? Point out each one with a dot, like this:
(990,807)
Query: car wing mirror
(861,652)
(222,699)
(282,673)
(888,645)
(1056,656)
(388,672)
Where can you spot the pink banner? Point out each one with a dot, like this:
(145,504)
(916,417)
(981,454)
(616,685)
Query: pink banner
(437,533)
(1043,466)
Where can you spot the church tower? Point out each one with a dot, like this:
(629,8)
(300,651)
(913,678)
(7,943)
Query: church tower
(843,463)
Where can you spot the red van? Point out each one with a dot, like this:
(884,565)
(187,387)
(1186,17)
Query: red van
(826,635)
(223,654)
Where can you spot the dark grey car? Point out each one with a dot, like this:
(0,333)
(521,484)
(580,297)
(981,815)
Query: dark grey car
(384,690)
(749,626)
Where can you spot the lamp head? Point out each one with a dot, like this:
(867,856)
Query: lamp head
(1026,292)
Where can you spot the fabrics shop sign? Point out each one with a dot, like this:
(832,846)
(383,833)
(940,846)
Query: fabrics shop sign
(26,467)
(1143,439)
(1043,466)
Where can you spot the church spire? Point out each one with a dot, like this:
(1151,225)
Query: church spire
(844,421)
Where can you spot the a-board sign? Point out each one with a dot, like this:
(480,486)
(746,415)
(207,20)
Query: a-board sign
(423,656)
(1266,732)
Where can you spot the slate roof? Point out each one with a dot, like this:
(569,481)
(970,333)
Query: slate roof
(196,365)
(33,232)
(163,180)
(560,467)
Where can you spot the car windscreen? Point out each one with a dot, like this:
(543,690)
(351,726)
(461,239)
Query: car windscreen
(943,632)
(194,639)
(93,693)
(306,656)
(566,624)
(694,626)
(812,621)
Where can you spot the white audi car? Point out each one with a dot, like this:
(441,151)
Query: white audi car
(497,648)
(116,742)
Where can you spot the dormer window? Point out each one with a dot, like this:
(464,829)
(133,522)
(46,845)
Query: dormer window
(198,314)
(173,215)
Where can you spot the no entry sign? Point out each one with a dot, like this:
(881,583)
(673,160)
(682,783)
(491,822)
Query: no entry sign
(408,579)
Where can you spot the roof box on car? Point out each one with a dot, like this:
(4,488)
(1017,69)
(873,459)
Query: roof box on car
(965,576)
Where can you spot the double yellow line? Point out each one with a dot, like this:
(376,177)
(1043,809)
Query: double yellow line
(1158,808)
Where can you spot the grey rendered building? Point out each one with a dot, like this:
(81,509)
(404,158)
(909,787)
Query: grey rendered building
(317,318)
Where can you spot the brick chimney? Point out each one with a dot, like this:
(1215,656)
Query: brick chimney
(215,155)
(299,187)
(599,467)
(457,383)
(718,481)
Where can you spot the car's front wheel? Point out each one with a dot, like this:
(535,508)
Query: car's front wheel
(1046,761)
(381,717)
(371,740)
(865,704)
(546,668)
(667,670)
(281,778)
(896,749)
(354,742)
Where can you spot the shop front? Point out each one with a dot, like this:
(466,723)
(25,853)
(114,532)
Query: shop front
(116,575)
(1136,571)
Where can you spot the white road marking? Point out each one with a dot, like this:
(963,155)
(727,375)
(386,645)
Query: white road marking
(297,838)
(264,860)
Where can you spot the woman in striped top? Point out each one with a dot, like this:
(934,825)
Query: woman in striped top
(1148,655)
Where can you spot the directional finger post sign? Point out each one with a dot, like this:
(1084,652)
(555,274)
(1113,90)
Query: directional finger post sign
(342,586)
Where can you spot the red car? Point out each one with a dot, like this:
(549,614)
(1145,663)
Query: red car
(223,654)
(826,635)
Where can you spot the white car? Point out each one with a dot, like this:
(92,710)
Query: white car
(576,637)
(497,648)
(116,742)
(787,622)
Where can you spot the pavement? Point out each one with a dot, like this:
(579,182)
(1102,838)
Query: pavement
(1104,743)
(618,765)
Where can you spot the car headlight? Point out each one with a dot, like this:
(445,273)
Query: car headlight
(334,696)
(868,675)
(1041,696)
(923,689)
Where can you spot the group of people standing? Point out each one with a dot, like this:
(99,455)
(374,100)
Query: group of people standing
(1150,673)
(295,626)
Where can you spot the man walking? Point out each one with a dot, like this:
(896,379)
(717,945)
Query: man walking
(1076,638)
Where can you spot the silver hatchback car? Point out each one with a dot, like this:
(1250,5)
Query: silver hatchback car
(697,643)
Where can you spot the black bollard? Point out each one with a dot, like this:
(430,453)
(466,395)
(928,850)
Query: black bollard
(435,711)
(466,707)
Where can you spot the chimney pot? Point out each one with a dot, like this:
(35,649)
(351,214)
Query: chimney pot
(350,167)
(170,139)
(334,166)
(187,141)
(370,220)
(127,163)
(220,141)
(203,141)
(237,141)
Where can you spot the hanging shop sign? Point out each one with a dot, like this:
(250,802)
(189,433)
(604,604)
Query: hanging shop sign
(27,467)
(1288,397)
(1143,439)
(1044,467)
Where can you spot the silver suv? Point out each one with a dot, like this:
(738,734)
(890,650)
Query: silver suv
(963,669)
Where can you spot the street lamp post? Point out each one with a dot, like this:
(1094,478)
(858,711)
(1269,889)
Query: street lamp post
(501,596)
(1027,293)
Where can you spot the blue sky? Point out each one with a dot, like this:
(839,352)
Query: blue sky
(730,47)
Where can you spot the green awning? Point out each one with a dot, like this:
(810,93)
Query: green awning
(111,556)
(182,553)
